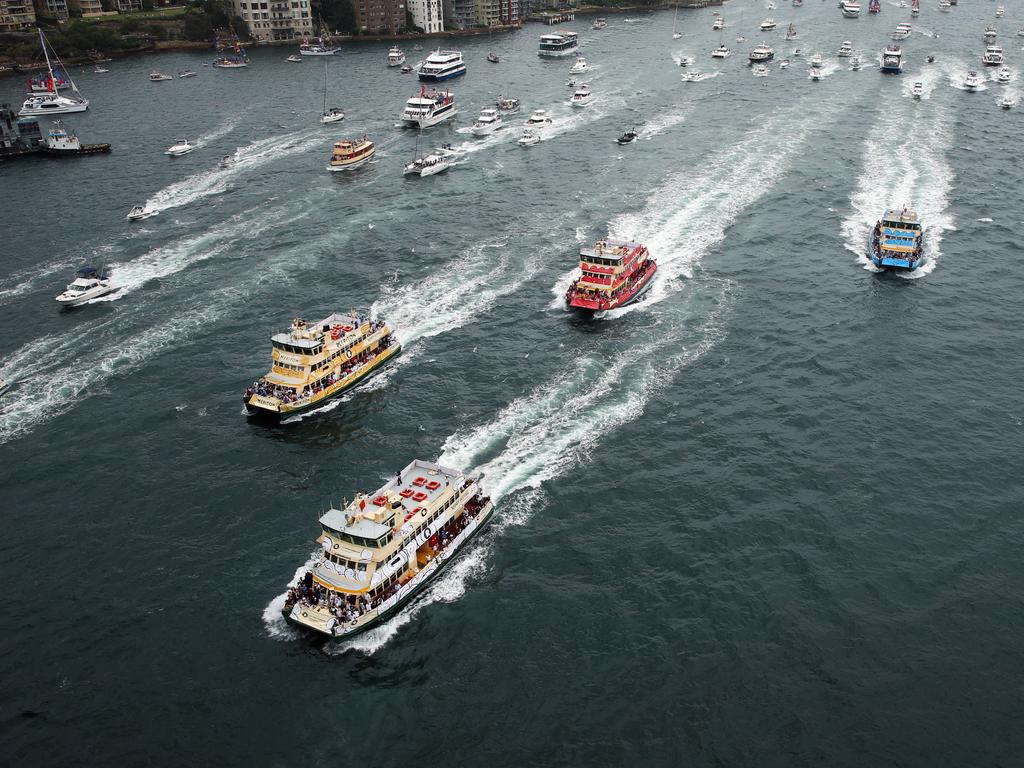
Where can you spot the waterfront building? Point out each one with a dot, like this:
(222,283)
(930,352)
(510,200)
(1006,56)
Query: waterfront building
(94,7)
(54,9)
(428,15)
(123,6)
(16,14)
(276,19)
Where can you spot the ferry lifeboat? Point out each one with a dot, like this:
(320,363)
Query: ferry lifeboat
(614,273)
(351,154)
(897,241)
(384,548)
(315,362)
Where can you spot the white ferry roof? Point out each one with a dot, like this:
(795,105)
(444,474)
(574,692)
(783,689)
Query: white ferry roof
(558,37)
(608,244)
(335,318)
(335,520)
(443,57)
(901,215)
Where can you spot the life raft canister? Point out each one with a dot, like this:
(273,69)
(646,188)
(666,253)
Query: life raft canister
(335,332)
(380,501)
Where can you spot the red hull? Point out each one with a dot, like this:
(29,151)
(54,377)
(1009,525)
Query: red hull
(595,304)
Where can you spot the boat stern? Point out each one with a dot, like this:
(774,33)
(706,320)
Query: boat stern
(262,405)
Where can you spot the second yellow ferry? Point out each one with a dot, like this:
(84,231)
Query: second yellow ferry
(314,362)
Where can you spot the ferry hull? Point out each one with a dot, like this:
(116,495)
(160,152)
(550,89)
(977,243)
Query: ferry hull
(590,306)
(425,576)
(270,414)
(430,77)
(903,265)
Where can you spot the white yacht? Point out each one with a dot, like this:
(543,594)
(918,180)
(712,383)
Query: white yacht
(180,148)
(529,138)
(558,44)
(902,31)
(768,25)
(784,64)
(945,5)
(488,122)
(538,117)
(850,8)
(972,81)
(396,57)
(157,77)
(760,70)
(993,56)
(332,115)
(1003,75)
(719,23)
(580,66)
(1007,102)
(989,35)
(318,48)
(599,23)
(917,91)
(814,74)
(721,52)
(427,109)
(50,102)
(88,284)
(762,54)
(1000,11)
(442,65)
(507,105)
(845,50)
(140,212)
(582,96)
(817,61)
(435,162)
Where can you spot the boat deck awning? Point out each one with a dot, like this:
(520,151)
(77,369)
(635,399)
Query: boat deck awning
(283,381)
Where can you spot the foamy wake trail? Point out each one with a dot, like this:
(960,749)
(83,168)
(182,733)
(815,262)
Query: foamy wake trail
(218,133)
(663,122)
(904,168)
(929,79)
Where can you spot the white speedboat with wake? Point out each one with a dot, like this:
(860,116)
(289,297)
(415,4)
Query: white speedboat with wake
(179,148)
(140,212)
(488,122)
(89,284)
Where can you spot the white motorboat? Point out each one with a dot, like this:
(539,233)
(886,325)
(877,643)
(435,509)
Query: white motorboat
(488,122)
(845,50)
(768,25)
(158,77)
(685,61)
(784,64)
(294,58)
(573,83)
(599,23)
(50,102)
(529,138)
(990,34)
(917,91)
(406,69)
(88,284)
(507,105)
(582,96)
(695,77)
(184,75)
(435,162)
(140,212)
(902,32)
(1003,75)
(797,53)
(817,62)
(180,148)
(855,63)
(227,161)
(396,57)
(740,38)
(760,70)
(1007,102)
(1020,32)
(538,117)
(719,23)
(1000,11)
(850,9)
(814,74)
(972,81)
(993,56)
(442,65)
(428,108)
(580,66)
(332,115)
(100,70)
(945,6)
(761,54)
(721,52)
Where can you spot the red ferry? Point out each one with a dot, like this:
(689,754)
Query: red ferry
(615,273)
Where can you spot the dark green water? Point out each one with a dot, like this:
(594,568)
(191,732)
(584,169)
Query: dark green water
(769,516)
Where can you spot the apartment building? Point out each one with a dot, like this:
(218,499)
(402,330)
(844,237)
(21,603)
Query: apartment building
(16,14)
(428,15)
(276,19)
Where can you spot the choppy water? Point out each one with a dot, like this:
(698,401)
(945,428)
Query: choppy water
(768,516)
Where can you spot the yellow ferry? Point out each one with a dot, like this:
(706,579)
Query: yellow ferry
(351,154)
(313,362)
(381,550)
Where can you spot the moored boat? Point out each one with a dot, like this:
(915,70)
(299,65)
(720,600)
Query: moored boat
(383,548)
(348,154)
(317,48)
(60,141)
(316,362)
(538,118)
(614,273)
(850,9)
(50,102)
(897,241)
(721,52)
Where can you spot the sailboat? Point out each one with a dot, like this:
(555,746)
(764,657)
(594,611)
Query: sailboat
(675,19)
(915,8)
(875,6)
(791,32)
(235,59)
(50,102)
(334,114)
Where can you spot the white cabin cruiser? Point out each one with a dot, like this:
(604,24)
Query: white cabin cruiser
(851,9)
(332,115)
(140,212)
(990,34)
(442,65)
(762,54)
(814,74)
(768,25)
(529,138)
(488,122)
(816,61)
(721,52)
(396,57)
(580,66)
(88,284)
(538,117)
(435,162)
(855,63)
(917,91)
(1003,75)
(993,56)
(180,148)
(582,96)
(427,109)
(972,81)
(719,23)
(845,50)
(157,77)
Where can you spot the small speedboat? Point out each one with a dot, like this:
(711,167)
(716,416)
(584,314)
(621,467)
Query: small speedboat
(294,58)
(100,70)
(816,61)
(1003,75)
(140,212)
(694,77)
(582,96)
(784,64)
(180,148)
(628,137)
(768,25)
(528,139)
(332,115)
(972,81)
(917,91)
(685,61)
(845,50)
(156,77)
(507,105)
(493,58)
(227,161)
(760,70)
(814,74)
(740,38)
(89,284)
(538,117)
(488,122)
(186,74)
(406,69)
(580,66)
(855,64)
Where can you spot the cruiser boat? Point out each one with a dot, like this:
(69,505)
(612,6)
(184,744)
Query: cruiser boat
(989,35)
(529,138)
(817,61)
(60,141)
(1007,102)
(406,69)
(442,65)
(493,57)
(507,105)
(850,8)
(384,548)
(855,63)
(628,137)
(582,96)
(768,25)
(614,273)
(760,70)
(1000,11)
(845,50)
(918,90)
(319,48)
(694,76)
(762,54)
(186,74)
(915,8)
(313,363)
(784,64)
(294,58)
(50,102)
(88,284)
(993,56)
(685,61)
(557,44)
(599,23)
(395,56)
(1003,75)
(157,77)
(902,32)
(427,109)
(791,32)
(897,241)
(140,212)
(434,162)
(721,52)
(972,81)
(719,23)
(892,60)
(351,154)
(814,74)
(580,66)
(180,148)
(332,115)
(488,122)
(537,118)
(945,5)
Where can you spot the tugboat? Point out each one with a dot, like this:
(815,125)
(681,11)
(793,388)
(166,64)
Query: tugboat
(615,273)
(315,362)
(60,142)
(89,284)
(897,241)
(628,137)
(383,548)
(351,154)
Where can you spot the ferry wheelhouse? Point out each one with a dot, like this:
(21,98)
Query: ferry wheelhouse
(315,362)
(892,60)
(442,65)
(614,273)
(428,109)
(557,44)
(897,241)
(348,154)
(382,549)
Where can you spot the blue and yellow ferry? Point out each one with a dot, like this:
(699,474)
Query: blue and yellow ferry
(897,241)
